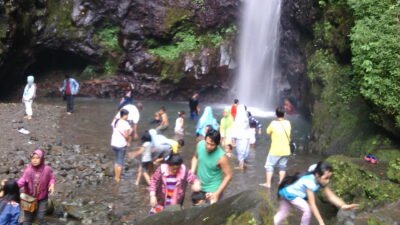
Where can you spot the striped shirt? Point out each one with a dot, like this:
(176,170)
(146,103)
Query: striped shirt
(171,185)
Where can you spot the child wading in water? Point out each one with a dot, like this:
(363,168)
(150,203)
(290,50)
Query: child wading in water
(146,166)
(179,124)
(299,191)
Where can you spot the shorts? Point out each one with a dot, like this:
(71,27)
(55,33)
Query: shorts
(119,154)
(146,166)
(273,161)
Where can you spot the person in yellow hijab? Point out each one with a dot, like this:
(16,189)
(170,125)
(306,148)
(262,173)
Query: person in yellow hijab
(225,128)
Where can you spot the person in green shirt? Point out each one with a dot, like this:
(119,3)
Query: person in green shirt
(212,166)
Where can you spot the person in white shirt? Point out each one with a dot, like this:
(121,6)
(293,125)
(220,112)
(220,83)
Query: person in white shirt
(179,124)
(133,117)
(28,96)
(120,140)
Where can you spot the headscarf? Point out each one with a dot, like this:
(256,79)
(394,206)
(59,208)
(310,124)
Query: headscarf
(40,153)
(206,119)
(241,125)
(30,79)
(226,121)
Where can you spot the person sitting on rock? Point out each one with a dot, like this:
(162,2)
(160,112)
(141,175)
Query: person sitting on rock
(164,120)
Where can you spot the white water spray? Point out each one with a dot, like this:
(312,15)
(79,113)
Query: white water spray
(257,83)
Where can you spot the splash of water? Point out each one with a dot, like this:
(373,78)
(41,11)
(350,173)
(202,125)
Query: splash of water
(257,83)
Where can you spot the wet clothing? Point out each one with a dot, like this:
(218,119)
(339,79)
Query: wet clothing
(206,119)
(279,139)
(35,181)
(208,172)
(169,188)
(242,133)
(9,214)
(193,104)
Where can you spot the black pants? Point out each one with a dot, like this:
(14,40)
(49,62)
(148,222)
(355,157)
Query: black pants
(39,213)
(70,103)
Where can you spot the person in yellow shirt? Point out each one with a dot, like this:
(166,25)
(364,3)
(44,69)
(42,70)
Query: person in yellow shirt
(279,152)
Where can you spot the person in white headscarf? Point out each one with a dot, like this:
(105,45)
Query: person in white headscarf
(241,134)
(28,96)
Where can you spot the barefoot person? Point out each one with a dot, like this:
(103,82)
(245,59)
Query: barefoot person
(28,96)
(278,155)
(299,191)
(120,140)
(212,166)
(241,134)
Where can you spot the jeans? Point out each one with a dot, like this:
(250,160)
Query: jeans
(70,103)
(38,214)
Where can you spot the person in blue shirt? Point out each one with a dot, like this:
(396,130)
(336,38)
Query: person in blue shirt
(70,88)
(299,191)
(9,203)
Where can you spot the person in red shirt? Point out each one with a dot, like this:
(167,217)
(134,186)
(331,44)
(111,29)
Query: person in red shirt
(234,108)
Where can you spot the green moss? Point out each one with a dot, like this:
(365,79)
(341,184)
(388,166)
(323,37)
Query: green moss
(174,15)
(108,39)
(59,12)
(3,28)
(110,67)
(374,221)
(393,172)
(355,184)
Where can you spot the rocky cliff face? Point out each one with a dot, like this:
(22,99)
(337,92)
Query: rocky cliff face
(159,45)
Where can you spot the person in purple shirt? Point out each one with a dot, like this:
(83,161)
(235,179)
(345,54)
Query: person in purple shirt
(38,181)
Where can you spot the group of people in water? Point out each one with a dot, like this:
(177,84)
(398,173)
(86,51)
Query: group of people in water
(165,172)
(210,173)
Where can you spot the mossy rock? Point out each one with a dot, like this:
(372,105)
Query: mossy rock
(173,15)
(248,207)
(354,181)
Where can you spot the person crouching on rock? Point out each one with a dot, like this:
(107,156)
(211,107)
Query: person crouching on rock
(38,181)
(299,191)
(169,181)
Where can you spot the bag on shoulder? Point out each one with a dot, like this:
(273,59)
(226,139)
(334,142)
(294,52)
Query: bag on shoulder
(28,203)
(293,147)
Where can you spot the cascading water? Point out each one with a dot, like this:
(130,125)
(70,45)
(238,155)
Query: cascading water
(257,83)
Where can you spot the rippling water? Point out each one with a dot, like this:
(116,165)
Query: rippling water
(90,125)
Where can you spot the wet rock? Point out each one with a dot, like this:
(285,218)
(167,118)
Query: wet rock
(241,208)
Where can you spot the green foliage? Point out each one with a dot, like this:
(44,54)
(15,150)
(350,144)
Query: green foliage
(394,170)
(355,184)
(374,221)
(175,15)
(376,54)
(110,67)
(184,41)
(59,12)
(108,38)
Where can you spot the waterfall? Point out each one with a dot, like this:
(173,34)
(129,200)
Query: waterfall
(257,78)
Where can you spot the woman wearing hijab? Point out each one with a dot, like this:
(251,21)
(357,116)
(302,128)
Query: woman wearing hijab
(241,134)
(38,181)
(226,127)
(206,119)
(28,96)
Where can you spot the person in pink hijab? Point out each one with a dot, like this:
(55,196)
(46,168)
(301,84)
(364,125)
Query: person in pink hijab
(38,181)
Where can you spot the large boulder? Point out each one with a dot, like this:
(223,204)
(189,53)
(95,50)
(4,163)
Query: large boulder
(248,207)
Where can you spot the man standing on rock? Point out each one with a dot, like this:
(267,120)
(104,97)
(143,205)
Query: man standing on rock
(69,89)
(212,166)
